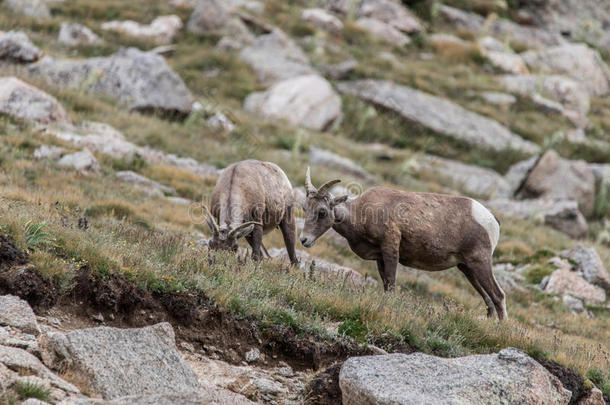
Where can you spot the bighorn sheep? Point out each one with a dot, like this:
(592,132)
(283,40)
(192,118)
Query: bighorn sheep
(422,230)
(250,199)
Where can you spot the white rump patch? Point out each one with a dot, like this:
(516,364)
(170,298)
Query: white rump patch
(487,221)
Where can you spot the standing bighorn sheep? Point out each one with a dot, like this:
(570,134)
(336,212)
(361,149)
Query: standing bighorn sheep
(250,199)
(422,230)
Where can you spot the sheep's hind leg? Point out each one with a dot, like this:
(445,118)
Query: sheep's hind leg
(475,283)
(483,272)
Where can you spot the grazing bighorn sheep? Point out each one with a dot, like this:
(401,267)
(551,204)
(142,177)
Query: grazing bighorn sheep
(250,199)
(422,230)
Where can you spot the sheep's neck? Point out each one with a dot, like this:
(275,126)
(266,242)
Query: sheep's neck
(343,220)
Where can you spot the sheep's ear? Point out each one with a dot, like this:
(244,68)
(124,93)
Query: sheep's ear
(338,200)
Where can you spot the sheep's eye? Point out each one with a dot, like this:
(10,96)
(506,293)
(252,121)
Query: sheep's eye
(322,214)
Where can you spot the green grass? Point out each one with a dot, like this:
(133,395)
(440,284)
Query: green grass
(27,390)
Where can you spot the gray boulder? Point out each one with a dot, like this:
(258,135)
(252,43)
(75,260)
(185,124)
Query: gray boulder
(509,377)
(141,80)
(74,34)
(162,30)
(565,281)
(562,215)
(501,56)
(590,265)
(15,46)
(17,313)
(83,161)
(276,57)
(48,152)
(25,102)
(472,180)
(577,61)
(517,173)
(500,28)
(322,19)
(30,8)
(392,13)
(554,177)
(308,101)
(383,31)
(216,17)
(342,164)
(148,186)
(116,362)
(440,115)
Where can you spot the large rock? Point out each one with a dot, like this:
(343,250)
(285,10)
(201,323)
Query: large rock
(30,8)
(28,364)
(590,265)
(571,94)
(322,19)
(577,61)
(15,46)
(25,102)
(509,377)
(17,313)
(472,180)
(141,80)
(162,30)
(148,186)
(383,31)
(562,215)
(83,161)
(74,34)
(216,17)
(116,362)
(442,116)
(392,13)
(500,28)
(308,101)
(326,270)
(517,173)
(565,281)
(342,164)
(276,57)
(554,177)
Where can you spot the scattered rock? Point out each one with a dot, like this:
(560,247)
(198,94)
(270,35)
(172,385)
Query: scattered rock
(252,355)
(83,161)
(188,347)
(23,101)
(30,8)
(308,101)
(276,57)
(48,152)
(441,40)
(575,304)
(342,164)
(141,80)
(17,313)
(566,281)
(322,19)
(383,31)
(554,177)
(572,95)
(213,17)
(340,70)
(162,30)
(327,270)
(501,57)
(472,180)
(500,28)
(562,215)
(518,172)
(593,397)
(392,13)
(119,362)
(497,98)
(440,115)
(221,121)
(577,61)
(510,376)
(73,34)
(148,186)
(590,265)
(206,396)
(15,46)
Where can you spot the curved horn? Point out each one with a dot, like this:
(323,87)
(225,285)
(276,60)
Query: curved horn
(242,226)
(326,186)
(309,188)
(211,222)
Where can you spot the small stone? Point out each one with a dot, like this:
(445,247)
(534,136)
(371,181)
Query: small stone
(187,346)
(98,318)
(252,355)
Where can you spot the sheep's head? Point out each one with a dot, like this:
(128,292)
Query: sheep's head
(319,210)
(225,238)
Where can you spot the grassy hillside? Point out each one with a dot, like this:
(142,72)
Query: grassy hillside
(153,242)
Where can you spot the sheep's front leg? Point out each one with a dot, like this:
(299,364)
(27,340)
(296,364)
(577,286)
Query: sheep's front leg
(288,228)
(389,252)
(255,239)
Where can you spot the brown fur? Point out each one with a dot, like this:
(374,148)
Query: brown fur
(253,191)
(422,230)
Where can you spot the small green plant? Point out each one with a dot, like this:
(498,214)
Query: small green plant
(32,390)
(36,237)
(537,272)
